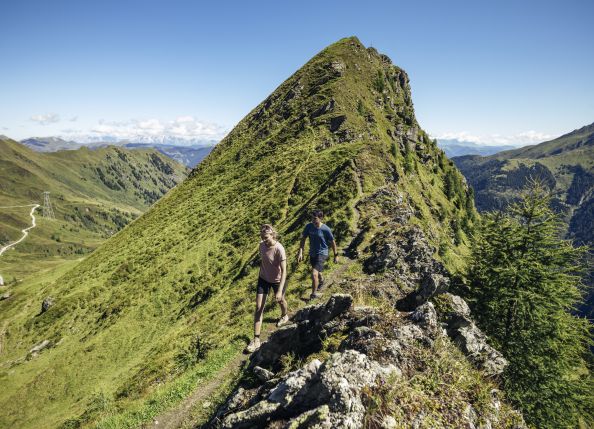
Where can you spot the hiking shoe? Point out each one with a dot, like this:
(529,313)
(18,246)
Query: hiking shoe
(253,346)
(282,321)
(314,296)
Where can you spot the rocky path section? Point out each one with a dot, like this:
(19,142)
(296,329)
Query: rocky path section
(178,416)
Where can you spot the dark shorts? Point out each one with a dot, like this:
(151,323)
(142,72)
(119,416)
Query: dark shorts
(317,261)
(264,287)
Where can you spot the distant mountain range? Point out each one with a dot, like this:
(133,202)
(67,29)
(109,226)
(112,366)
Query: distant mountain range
(187,152)
(454,147)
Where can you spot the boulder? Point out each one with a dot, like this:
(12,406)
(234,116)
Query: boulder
(324,395)
(455,314)
(38,348)
(263,374)
(305,333)
(46,304)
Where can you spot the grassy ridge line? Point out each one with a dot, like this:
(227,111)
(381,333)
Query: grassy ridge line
(182,271)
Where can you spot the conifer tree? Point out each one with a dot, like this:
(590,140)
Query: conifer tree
(524,284)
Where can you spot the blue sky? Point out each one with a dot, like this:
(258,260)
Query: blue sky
(493,72)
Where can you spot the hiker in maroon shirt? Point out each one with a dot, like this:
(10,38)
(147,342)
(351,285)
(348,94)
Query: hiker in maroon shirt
(273,274)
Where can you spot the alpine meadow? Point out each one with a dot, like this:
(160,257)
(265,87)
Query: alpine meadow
(147,330)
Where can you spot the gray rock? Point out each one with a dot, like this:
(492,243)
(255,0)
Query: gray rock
(254,416)
(38,348)
(46,304)
(338,66)
(316,418)
(326,395)
(455,313)
(4,296)
(473,342)
(425,316)
(304,334)
(408,257)
(263,374)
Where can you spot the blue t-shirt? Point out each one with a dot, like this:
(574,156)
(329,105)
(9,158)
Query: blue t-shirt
(319,238)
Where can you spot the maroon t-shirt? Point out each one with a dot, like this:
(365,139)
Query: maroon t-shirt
(270,267)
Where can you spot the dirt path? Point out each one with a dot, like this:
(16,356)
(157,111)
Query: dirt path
(24,231)
(174,418)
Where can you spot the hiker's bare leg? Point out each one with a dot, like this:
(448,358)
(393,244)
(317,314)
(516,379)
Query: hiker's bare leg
(314,280)
(284,307)
(259,313)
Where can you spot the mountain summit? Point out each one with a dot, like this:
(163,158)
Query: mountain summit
(166,304)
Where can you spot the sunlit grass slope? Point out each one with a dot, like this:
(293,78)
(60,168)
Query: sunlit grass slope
(94,193)
(170,296)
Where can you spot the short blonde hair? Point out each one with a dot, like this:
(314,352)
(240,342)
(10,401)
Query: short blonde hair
(269,229)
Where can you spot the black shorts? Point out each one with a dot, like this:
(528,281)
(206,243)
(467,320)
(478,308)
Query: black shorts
(264,287)
(317,261)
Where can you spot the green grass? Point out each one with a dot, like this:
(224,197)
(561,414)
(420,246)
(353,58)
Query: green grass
(185,269)
(94,194)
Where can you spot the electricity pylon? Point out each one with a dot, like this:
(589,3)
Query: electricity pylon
(48,211)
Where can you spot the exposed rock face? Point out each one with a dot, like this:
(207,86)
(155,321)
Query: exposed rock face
(331,394)
(38,348)
(467,336)
(310,324)
(409,258)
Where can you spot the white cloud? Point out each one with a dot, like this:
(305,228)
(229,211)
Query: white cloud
(48,118)
(523,138)
(73,119)
(180,129)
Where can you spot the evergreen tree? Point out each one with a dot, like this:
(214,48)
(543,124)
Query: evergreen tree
(524,283)
(409,162)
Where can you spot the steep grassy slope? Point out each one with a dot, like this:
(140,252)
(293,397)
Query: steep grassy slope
(164,304)
(94,194)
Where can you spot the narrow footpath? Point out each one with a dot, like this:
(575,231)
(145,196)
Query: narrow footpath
(24,231)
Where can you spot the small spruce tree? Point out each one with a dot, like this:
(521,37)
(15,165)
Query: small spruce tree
(524,285)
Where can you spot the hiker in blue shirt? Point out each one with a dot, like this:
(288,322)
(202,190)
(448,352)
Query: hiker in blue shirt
(320,238)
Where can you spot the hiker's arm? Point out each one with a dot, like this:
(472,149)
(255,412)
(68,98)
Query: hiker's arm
(334,250)
(301,247)
(281,288)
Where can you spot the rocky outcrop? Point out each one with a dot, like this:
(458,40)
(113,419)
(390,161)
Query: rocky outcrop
(455,314)
(332,394)
(408,257)
(309,326)
(38,348)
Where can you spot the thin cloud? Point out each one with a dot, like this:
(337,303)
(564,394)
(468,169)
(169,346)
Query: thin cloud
(48,118)
(73,119)
(183,127)
(523,138)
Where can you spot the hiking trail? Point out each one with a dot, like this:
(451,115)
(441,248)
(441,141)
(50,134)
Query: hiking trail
(24,231)
(177,417)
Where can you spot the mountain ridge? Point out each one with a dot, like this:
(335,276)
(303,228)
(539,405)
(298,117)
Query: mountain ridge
(167,302)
